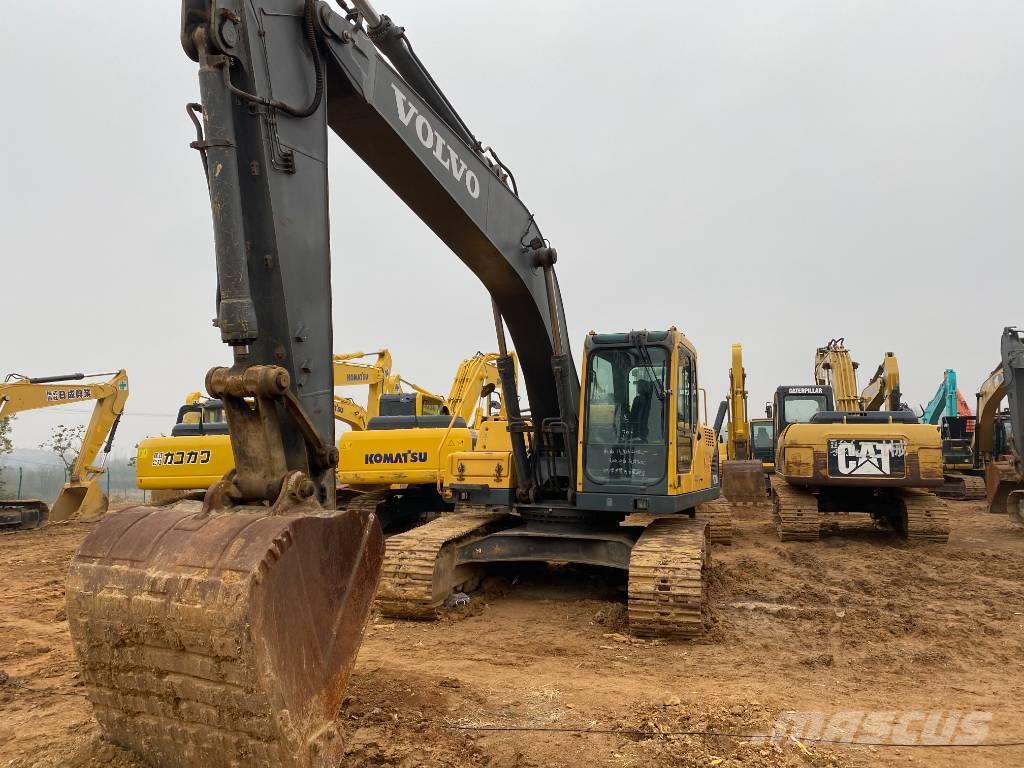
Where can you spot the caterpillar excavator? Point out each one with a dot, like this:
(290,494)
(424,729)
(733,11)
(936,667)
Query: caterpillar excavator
(197,453)
(223,632)
(743,476)
(948,409)
(835,460)
(81,497)
(996,451)
(398,463)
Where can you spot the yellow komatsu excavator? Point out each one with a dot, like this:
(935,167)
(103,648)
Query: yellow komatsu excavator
(834,460)
(398,462)
(198,452)
(743,476)
(81,497)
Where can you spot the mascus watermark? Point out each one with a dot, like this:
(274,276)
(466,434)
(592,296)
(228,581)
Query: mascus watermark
(910,728)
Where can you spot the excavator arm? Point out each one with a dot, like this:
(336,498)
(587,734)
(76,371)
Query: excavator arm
(81,497)
(742,474)
(990,395)
(739,425)
(883,391)
(945,401)
(477,376)
(1012,354)
(327,69)
(377,376)
(834,367)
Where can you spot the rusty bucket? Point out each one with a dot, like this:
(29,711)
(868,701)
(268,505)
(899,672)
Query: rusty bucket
(743,481)
(223,639)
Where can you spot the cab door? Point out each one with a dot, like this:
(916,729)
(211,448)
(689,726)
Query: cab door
(686,412)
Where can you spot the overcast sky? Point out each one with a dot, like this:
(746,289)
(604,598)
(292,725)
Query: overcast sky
(773,173)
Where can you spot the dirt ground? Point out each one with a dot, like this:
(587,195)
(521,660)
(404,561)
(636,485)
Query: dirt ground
(855,624)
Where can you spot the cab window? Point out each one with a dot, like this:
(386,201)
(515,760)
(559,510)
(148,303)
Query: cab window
(686,412)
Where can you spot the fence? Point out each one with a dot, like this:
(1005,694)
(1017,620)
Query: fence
(44,482)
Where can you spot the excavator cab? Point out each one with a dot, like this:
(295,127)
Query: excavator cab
(205,417)
(411,404)
(762,440)
(798,405)
(644,443)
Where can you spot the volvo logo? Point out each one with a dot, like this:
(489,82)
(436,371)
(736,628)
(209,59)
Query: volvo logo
(431,139)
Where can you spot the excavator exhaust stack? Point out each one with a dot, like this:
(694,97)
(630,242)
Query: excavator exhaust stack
(84,502)
(223,638)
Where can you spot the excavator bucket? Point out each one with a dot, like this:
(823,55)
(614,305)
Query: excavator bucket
(1001,479)
(23,514)
(84,502)
(743,481)
(223,638)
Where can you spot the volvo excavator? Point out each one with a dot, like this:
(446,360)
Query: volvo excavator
(833,459)
(81,497)
(223,632)
(743,476)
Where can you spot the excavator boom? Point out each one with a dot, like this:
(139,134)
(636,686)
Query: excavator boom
(834,367)
(743,480)
(233,641)
(883,391)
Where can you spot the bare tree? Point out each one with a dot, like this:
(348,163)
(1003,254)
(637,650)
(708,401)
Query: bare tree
(66,442)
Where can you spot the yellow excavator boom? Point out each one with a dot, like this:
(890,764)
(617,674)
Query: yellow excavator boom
(834,367)
(742,475)
(476,377)
(990,395)
(81,497)
(376,375)
(883,391)
(738,427)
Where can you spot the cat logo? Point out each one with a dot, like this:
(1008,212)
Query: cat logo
(866,458)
